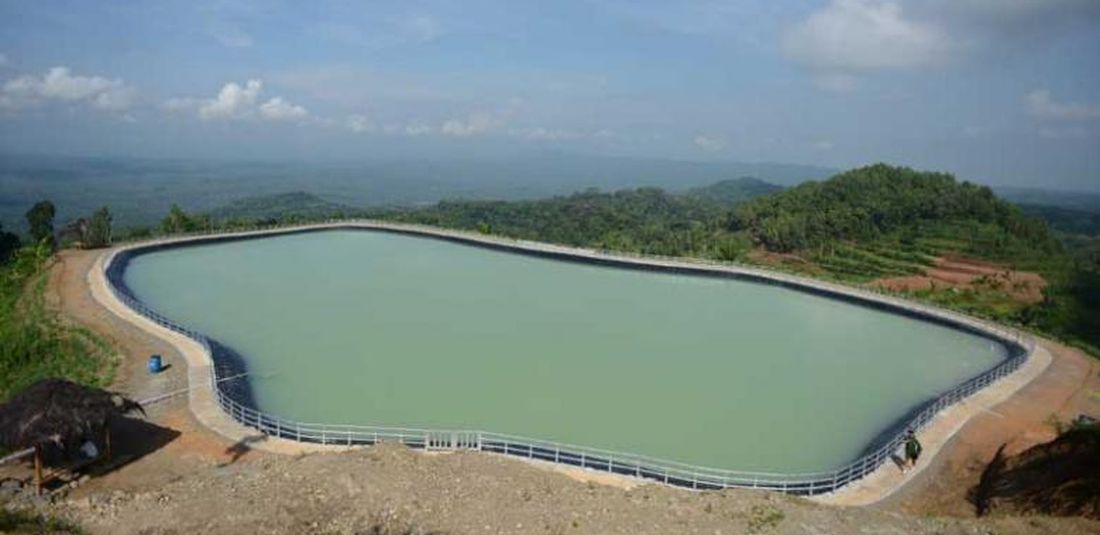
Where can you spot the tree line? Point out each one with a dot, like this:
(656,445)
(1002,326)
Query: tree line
(870,222)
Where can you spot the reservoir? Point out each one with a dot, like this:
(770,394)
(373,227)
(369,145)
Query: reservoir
(374,328)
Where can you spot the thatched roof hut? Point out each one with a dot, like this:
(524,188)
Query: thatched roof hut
(53,410)
(59,411)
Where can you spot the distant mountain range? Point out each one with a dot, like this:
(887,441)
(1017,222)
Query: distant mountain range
(140,191)
(720,195)
(1074,200)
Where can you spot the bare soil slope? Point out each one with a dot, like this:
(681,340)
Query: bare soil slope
(956,272)
(1061,477)
(390,489)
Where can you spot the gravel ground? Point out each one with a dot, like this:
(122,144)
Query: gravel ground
(390,489)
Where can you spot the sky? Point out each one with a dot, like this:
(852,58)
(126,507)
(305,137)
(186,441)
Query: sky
(1005,92)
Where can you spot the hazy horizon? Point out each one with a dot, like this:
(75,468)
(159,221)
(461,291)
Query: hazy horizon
(1000,93)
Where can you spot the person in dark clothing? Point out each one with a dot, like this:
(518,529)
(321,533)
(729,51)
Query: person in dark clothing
(913,450)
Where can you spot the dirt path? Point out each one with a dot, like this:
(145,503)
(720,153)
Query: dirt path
(187,479)
(1069,387)
(195,447)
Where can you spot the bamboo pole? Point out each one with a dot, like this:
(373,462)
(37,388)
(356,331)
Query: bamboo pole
(37,470)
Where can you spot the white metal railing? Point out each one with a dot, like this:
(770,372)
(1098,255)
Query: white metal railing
(665,471)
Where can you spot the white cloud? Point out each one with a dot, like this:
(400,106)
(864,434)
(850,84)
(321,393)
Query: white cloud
(278,109)
(475,123)
(823,144)
(1042,105)
(710,143)
(847,39)
(232,101)
(59,84)
(3,60)
(850,37)
(544,134)
(116,99)
(358,123)
(235,101)
(416,129)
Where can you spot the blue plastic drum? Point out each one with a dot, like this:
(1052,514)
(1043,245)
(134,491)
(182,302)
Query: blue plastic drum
(155,364)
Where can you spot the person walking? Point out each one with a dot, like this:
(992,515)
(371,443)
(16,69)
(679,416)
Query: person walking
(913,450)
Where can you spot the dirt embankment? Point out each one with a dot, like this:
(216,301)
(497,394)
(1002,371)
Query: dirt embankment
(954,272)
(1061,477)
(390,489)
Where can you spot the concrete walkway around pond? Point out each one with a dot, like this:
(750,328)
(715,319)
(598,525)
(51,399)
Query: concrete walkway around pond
(888,478)
(875,487)
(201,398)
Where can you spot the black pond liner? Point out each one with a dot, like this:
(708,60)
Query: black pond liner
(230,368)
(230,364)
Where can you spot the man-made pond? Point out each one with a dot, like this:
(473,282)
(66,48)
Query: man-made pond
(366,327)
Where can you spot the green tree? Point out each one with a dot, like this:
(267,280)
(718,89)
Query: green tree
(177,221)
(9,243)
(99,229)
(40,219)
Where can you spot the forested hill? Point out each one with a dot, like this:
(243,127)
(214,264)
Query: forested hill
(280,207)
(882,202)
(733,191)
(648,220)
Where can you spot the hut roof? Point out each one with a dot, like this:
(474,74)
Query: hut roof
(52,410)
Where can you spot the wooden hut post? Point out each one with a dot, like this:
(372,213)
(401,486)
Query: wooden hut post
(107,438)
(37,470)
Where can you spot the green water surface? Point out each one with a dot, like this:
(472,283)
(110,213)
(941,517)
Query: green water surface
(363,327)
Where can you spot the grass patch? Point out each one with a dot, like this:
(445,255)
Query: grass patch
(764,518)
(28,522)
(34,342)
